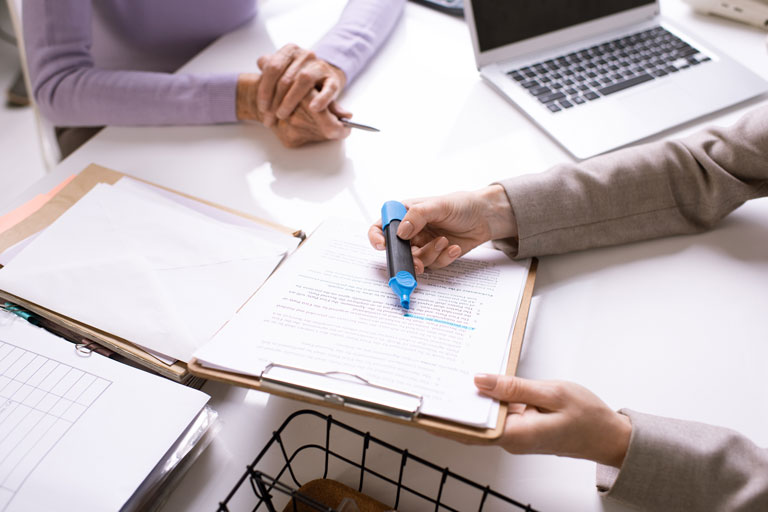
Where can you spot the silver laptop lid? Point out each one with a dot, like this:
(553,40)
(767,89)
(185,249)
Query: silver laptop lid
(505,29)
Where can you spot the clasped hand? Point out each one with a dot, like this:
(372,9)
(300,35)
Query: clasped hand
(295,97)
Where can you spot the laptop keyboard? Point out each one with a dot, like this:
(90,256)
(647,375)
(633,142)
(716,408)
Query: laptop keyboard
(592,73)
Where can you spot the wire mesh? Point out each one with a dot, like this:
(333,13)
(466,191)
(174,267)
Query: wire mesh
(261,490)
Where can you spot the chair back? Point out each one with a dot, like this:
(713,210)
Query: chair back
(45,130)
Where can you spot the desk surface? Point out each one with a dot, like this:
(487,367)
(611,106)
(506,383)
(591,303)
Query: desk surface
(673,327)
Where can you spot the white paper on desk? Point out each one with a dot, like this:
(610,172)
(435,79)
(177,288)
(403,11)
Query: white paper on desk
(150,272)
(329,309)
(79,433)
(189,205)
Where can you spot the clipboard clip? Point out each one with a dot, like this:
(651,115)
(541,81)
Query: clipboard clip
(342,389)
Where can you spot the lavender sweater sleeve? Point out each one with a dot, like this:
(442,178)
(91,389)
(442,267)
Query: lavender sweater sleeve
(71,91)
(362,28)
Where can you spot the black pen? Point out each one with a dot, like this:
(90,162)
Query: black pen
(350,124)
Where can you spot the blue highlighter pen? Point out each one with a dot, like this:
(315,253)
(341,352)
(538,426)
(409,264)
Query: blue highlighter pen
(402,278)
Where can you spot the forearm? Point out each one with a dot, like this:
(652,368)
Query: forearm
(71,90)
(360,31)
(644,192)
(682,465)
(91,97)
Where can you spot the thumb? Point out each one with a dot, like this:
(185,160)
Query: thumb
(507,388)
(339,111)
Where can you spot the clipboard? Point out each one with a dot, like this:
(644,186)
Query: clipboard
(57,206)
(277,385)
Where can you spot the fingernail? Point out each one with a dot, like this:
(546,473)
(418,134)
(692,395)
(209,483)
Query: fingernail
(454,251)
(441,244)
(380,247)
(405,230)
(485,381)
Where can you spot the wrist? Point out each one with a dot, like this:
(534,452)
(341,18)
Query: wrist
(617,441)
(340,74)
(245,97)
(498,212)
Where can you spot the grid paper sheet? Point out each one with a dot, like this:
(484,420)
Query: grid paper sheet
(40,400)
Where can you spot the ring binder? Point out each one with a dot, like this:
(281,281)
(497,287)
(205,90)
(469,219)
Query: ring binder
(84,349)
(342,389)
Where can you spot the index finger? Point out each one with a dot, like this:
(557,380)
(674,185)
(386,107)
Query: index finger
(419,214)
(331,87)
(272,68)
(328,124)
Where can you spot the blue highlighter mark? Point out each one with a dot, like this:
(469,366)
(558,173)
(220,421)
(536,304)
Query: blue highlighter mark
(437,321)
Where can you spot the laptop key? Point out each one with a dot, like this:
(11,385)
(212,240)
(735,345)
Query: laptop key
(626,84)
(554,108)
(538,91)
(549,98)
(591,95)
(565,103)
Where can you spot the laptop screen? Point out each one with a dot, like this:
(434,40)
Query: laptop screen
(502,22)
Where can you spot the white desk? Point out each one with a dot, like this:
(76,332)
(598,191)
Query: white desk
(674,327)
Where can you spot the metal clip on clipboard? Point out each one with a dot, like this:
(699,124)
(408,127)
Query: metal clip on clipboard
(341,388)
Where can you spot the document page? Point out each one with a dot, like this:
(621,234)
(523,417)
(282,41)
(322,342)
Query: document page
(329,309)
(79,433)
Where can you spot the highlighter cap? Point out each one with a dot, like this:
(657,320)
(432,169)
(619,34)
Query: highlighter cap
(403,284)
(392,210)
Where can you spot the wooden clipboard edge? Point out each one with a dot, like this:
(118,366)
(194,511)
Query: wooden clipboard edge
(56,206)
(83,182)
(435,425)
(177,371)
(518,334)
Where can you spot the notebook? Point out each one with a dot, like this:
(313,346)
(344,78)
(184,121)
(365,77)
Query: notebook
(602,74)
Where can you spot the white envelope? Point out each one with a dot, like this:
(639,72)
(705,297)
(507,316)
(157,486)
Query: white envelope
(143,268)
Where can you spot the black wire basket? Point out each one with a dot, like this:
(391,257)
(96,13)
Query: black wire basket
(329,449)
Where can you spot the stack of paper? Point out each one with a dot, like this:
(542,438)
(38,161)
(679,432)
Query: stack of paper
(327,321)
(142,264)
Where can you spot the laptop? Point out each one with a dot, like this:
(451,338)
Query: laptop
(600,74)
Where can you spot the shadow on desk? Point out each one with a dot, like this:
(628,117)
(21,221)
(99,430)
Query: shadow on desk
(739,237)
(315,173)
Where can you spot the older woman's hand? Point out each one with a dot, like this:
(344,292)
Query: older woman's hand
(288,76)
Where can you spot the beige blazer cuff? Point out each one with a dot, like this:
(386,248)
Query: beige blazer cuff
(683,465)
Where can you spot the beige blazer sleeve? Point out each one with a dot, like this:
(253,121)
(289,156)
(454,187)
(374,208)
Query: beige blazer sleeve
(683,465)
(648,191)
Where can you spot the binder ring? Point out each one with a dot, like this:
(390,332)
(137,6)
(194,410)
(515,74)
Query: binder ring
(84,349)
